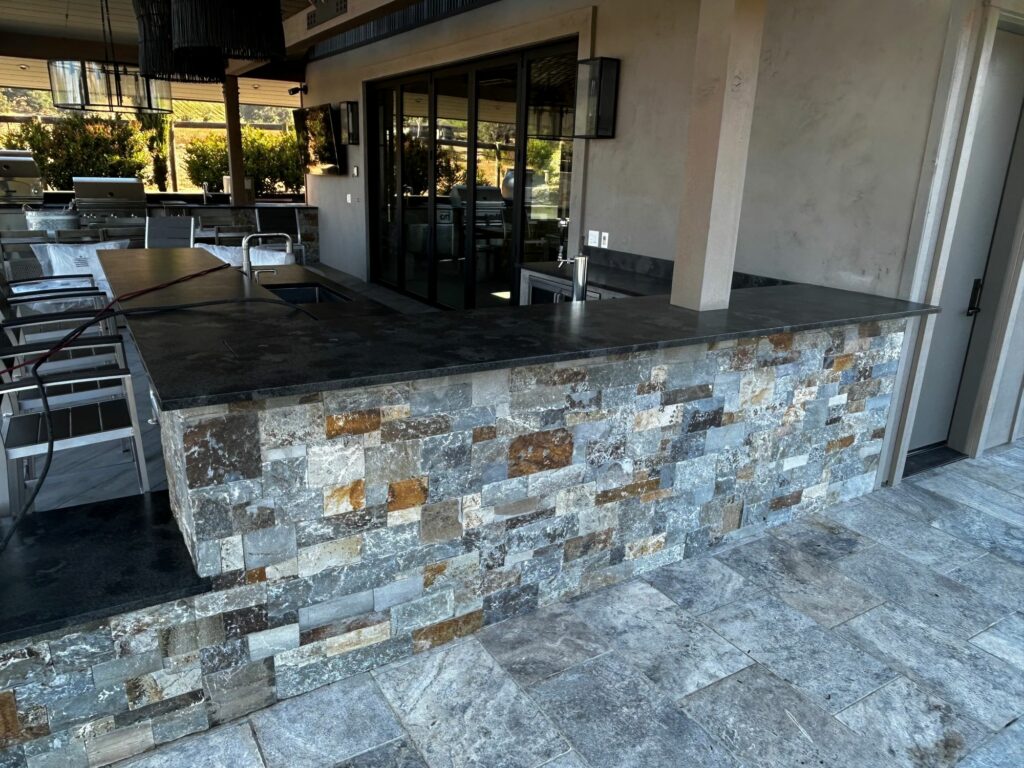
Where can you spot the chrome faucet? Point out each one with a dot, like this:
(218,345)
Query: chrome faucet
(247,256)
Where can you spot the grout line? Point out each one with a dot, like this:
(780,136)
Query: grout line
(255,738)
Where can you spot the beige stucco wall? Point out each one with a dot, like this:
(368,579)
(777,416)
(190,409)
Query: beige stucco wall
(844,101)
(633,183)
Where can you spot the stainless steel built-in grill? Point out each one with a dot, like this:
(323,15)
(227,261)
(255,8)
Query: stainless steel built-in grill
(20,181)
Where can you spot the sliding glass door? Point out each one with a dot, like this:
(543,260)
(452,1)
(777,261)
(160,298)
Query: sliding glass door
(451,221)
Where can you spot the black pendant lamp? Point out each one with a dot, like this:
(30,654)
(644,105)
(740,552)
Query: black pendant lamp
(157,57)
(238,29)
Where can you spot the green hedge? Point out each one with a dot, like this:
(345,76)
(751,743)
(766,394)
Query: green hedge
(83,146)
(271,160)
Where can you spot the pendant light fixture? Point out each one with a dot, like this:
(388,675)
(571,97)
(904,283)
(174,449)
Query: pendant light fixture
(157,57)
(108,85)
(238,29)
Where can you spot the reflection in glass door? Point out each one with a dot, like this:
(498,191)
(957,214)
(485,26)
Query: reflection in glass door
(472,175)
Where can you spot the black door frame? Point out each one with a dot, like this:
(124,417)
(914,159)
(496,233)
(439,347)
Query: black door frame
(522,58)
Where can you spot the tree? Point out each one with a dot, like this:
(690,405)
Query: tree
(83,146)
(271,159)
(157,132)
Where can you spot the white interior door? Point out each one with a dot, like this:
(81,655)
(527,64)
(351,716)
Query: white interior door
(983,191)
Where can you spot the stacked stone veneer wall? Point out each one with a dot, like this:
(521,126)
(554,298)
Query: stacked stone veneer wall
(348,529)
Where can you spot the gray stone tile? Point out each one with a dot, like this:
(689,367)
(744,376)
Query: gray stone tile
(767,723)
(1004,750)
(938,600)
(673,649)
(699,585)
(230,745)
(568,760)
(1005,505)
(461,709)
(395,754)
(981,686)
(325,726)
(913,726)
(616,718)
(991,470)
(821,538)
(808,584)
(884,522)
(538,645)
(995,578)
(1005,640)
(825,666)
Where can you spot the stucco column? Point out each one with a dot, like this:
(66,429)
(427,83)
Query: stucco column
(239,194)
(721,108)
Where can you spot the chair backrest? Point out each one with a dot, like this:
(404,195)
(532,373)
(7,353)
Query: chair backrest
(16,236)
(136,236)
(278,219)
(170,232)
(78,235)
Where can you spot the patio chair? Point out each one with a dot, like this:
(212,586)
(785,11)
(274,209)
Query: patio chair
(282,219)
(222,227)
(74,426)
(77,236)
(47,318)
(170,232)
(19,257)
(135,234)
(96,353)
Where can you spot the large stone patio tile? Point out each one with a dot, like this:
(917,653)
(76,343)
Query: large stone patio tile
(395,754)
(699,585)
(325,726)
(1004,750)
(833,671)
(807,583)
(884,522)
(230,745)
(540,644)
(616,718)
(938,600)
(767,723)
(914,727)
(1005,640)
(971,492)
(568,760)
(462,709)
(995,578)
(981,686)
(821,538)
(673,649)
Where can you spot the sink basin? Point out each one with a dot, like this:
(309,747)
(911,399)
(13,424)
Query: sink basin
(307,293)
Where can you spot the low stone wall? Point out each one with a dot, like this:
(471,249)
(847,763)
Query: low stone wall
(349,529)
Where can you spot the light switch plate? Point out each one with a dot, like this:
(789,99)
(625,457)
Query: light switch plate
(348,198)
(604,239)
(355,171)
(593,238)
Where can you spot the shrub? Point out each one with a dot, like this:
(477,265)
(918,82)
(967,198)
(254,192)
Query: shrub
(83,146)
(271,159)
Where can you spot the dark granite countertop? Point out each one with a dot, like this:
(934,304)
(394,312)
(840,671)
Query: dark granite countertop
(255,351)
(609,278)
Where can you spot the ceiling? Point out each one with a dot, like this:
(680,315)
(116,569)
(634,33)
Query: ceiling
(80,20)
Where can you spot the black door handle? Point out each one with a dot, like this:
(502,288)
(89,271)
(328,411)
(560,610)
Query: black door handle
(974,307)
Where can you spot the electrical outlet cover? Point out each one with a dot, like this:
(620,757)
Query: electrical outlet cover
(604,239)
(593,238)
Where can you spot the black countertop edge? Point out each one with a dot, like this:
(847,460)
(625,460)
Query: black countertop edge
(259,351)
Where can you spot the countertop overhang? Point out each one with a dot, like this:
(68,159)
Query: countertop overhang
(255,351)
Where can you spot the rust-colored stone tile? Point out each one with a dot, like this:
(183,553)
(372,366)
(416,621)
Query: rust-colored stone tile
(870,329)
(562,376)
(789,500)
(839,443)
(342,499)
(840,362)
(446,631)
(584,545)
(483,434)
(10,728)
(432,572)
(627,491)
(539,451)
(878,434)
(353,423)
(649,387)
(255,575)
(404,494)
(781,341)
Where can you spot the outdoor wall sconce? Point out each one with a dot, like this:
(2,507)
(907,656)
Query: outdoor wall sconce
(597,94)
(348,127)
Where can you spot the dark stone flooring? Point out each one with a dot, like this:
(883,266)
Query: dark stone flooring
(888,632)
(73,565)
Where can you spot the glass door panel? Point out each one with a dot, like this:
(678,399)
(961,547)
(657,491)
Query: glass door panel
(496,130)
(551,100)
(416,187)
(451,175)
(388,231)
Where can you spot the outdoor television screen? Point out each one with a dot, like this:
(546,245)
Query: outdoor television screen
(319,143)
